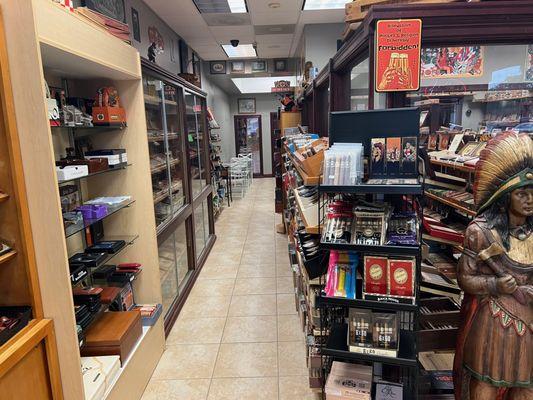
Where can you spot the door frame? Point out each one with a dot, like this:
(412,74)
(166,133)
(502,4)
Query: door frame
(246,116)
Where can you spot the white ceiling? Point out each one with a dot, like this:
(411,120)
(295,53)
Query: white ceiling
(183,17)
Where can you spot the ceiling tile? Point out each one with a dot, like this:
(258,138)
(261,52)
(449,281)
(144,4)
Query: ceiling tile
(274,39)
(227,19)
(274,29)
(322,16)
(223,34)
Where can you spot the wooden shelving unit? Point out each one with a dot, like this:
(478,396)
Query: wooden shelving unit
(450,203)
(55,46)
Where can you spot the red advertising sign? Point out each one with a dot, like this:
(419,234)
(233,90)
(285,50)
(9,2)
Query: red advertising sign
(397,59)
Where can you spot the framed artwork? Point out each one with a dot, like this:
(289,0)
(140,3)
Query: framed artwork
(281,65)
(259,66)
(217,67)
(529,64)
(452,62)
(136,25)
(246,106)
(237,66)
(111,8)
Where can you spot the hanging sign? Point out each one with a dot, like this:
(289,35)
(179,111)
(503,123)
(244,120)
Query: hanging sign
(282,87)
(397,58)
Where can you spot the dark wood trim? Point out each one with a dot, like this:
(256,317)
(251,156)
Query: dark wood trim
(274,124)
(323,77)
(340,98)
(321,109)
(163,74)
(266,176)
(173,224)
(371,73)
(204,194)
(178,304)
(235,128)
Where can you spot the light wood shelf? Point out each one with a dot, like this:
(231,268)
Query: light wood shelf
(8,256)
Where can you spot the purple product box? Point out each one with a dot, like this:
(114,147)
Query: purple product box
(93,211)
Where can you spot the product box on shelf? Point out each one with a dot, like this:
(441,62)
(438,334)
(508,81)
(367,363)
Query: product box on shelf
(94,165)
(311,157)
(359,327)
(348,381)
(14,319)
(71,172)
(115,157)
(375,273)
(401,277)
(149,312)
(98,374)
(107,109)
(114,333)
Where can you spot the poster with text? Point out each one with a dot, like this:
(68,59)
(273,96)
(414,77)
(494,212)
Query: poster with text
(452,62)
(397,60)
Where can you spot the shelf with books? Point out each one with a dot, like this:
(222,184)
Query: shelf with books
(337,347)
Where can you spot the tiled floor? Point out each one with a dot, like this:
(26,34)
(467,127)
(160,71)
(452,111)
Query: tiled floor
(238,336)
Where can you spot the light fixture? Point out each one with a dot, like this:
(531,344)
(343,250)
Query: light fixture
(274,5)
(241,51)
(323,4)
(237,6)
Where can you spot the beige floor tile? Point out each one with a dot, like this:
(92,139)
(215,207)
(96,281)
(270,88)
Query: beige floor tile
(246,360)
(223,258)
(257,271)
(244,389)
(285,284)
(187,361)
(205,306)
(197,331)
(292,359)
(289,328)
(296,387)
(190,389)
(219,272)
(255,286)
(286,304)
(251,305)
(250,329)
(283,269)
(213,287)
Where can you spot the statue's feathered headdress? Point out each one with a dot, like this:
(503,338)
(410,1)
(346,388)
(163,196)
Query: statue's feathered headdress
(504,165)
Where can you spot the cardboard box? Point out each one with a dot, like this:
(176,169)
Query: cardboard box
(349,382)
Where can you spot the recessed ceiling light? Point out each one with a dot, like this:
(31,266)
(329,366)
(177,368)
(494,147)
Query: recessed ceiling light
(274,5)
(323,4)
(237,6)
(241,51)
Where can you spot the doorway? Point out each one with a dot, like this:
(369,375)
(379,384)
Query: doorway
(249,140)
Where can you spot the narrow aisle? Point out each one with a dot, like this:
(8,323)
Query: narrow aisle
(239,336)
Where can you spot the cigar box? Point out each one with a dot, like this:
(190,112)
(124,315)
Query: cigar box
(114,333)
(375,271)
(439,322)
(94,165)
(349,382)
(393,156)
(109,116)
(439,230)
(401,277)
(98,374)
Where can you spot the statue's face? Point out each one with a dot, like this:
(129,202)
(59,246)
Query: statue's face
(522,202)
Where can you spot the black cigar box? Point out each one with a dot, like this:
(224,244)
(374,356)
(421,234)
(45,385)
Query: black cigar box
(90,260)
(106,246)
(78,271)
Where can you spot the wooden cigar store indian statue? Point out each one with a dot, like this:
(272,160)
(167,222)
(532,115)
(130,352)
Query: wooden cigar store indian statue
(494,355)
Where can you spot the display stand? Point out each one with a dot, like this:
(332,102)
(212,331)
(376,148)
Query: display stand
(361,127)
(66,47)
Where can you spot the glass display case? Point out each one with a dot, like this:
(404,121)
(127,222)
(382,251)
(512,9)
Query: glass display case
(196,136)
(165,139)
(176,121)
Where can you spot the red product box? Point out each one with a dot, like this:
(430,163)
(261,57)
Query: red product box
(375,275)
(401,277)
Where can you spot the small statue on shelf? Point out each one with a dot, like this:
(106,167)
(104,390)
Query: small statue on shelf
(494,355)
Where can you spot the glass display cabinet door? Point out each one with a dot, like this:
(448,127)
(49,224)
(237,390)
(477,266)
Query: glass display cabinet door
(159,168)
(195,115)
(174,146)
(248,140)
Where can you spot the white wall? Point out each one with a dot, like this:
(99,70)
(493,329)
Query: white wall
(220,105)
(321,42)
(265,103)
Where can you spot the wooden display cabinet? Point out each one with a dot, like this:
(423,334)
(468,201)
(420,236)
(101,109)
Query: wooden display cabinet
(63,47)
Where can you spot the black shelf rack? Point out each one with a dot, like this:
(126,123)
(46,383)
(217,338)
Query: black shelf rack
(355,126)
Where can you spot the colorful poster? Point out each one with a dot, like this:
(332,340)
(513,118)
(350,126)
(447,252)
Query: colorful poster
(397,60)
(452,62)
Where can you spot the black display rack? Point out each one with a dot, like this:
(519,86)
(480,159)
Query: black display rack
(361,127)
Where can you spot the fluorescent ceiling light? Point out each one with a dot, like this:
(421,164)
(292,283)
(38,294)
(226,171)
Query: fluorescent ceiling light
(237,6)
(323,4)
(260,85)
(241,51)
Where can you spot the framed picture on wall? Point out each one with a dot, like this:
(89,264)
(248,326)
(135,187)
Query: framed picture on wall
(217,67)
(246,106)
(280,65)
(259,66)
(136,24)
(237,66)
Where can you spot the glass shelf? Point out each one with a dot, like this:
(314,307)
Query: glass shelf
(96,173)
(73,229)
